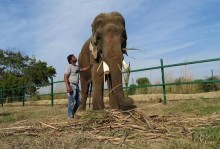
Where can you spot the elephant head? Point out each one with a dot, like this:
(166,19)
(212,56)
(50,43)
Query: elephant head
(106,27)
(108,43)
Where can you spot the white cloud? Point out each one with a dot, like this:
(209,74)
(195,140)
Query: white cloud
(52,29)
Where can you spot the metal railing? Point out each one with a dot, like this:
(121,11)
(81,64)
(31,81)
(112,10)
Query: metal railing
(163,84)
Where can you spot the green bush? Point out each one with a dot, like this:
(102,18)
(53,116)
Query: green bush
(207,87)
(132,89)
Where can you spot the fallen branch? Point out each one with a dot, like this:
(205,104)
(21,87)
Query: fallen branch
(122,140)
(49,126)
(15,128)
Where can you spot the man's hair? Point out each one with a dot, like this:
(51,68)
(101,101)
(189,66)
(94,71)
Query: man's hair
(69,58)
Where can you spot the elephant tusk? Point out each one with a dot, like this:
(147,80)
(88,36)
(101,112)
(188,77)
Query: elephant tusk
(90,46)
(105,68)
(126,66)
(93,50)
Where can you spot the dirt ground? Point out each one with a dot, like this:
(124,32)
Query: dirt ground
(150,125)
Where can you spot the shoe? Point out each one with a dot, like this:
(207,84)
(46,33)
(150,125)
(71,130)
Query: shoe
(71,116)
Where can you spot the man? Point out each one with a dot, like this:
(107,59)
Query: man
(71,79)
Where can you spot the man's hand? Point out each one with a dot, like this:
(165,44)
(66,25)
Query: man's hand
(86,68)
(66,80)
(68,89)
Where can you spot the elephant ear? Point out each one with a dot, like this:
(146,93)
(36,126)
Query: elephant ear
(93,50)
(124,51)
(124,44)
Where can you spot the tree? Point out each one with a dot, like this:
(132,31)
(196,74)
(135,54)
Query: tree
(142,82)
(18,70)
(12,81)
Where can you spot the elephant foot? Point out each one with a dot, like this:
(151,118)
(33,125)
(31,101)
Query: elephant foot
(123,108)
(126,103)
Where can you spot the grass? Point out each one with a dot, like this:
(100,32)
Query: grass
(199,107)
(202,137)
(34,113)
(207,134)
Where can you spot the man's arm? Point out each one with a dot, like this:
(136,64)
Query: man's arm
(66,80)
(85,68)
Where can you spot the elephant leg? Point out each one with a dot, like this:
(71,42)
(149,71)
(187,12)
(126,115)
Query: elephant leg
(84,94)
(98,86)
(113,101)
(117,100)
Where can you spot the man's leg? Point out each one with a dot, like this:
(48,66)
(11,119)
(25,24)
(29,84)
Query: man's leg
(77,100)
(70,104)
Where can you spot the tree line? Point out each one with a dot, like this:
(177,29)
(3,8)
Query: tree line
(17,69)
(200,86)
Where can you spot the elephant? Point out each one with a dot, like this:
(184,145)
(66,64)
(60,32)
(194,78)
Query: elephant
(106,46)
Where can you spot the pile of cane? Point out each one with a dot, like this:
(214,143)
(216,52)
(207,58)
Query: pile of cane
(118,127)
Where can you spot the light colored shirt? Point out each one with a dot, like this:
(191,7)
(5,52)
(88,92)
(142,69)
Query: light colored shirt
(73,72)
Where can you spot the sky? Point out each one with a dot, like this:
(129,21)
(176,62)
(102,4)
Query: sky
(175,31)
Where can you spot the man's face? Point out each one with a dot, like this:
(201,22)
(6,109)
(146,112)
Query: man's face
(74,59)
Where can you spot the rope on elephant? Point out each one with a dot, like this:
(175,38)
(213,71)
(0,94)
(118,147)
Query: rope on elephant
(99,66)
(114,88)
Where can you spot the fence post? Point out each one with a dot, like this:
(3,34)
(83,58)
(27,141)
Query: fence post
(51,94)
(163,83)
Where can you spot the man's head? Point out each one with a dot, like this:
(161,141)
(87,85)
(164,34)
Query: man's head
(71,59)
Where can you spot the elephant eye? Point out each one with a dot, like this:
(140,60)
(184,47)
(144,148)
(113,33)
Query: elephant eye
(98,38)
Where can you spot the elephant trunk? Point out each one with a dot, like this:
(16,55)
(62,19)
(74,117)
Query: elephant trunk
(115,83)
(114,57)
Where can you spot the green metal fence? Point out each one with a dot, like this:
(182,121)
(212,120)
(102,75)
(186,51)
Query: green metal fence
(163,84)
